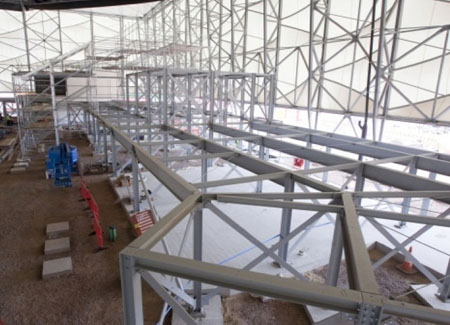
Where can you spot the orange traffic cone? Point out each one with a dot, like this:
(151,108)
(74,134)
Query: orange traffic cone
(407,266)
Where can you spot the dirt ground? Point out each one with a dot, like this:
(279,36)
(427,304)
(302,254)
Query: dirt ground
(92,294)
(244,309)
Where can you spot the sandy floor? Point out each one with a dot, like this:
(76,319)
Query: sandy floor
(244,309)
(92,294)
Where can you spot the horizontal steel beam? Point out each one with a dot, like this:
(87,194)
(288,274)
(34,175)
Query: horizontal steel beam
(299,292)
(279,204)
(403,217)
(197,157)
(240,180)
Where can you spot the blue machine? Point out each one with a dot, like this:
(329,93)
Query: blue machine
(61,162)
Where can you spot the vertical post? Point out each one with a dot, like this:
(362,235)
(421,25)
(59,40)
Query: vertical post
(160,100)
(165,96)
(55,115)
(131,291)
(105,146)
(113,154)
(252,99)
(369,73)
(198,239)
(355,46)
(212,79)
(172,99)
(407,200)
(89,124)
(204,103)
(444,293)
(122,61)
(149,107)
(25,31)
(61,51)
(95,132)
(69,124)
(309,145)
(387,97)
(286,216)
(204,169)
(379,71)
(426,202)
(136,94)
(85,118)
(148,96)
(127,95)
(322,62)
(337,247)
(233,44)
(265,45)
(261,154)
(219,66)
(225,93)
(359,184)
(189,105)
(272,92)
(242,103)
(310,58)
(135,171)
(91,25)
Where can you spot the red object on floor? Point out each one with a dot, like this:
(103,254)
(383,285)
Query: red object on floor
(407,265)
(89,198)
(142,221)
(298,162)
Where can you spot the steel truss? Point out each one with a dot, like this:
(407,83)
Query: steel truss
(166,106)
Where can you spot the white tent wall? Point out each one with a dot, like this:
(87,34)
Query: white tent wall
(105,83)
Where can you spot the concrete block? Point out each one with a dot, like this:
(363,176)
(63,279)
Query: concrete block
(59,266)
(16,170)
(212,311)
(20,164)
(428,296)
(55,230)
(59,245)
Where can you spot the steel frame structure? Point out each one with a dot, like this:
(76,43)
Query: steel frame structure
(160,111)
(311,68)
(233,107)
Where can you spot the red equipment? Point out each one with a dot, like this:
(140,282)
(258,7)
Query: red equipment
(89,198)
(407,266)
(298,162)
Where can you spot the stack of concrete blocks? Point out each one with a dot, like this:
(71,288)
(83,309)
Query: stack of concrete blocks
(57,243)
(20,165)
